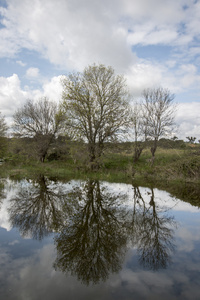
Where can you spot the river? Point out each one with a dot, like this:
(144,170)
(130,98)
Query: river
(90,239)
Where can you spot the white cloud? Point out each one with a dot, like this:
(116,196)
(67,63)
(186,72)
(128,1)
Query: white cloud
(140,77)
(67,33)
(11,95)
(51,89)
(72,34)
(188,119)
(75,33)
(149,34)
(21,63)
(32,72)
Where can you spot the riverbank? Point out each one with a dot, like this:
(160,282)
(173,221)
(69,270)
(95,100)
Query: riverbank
(170,165)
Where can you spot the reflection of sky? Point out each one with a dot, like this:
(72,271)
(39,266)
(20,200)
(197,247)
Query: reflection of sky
(32,277)
(181,279)
(26,270)
(162,198)
(11,190)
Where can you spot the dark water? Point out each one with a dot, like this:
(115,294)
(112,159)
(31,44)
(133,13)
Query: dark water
(96,240)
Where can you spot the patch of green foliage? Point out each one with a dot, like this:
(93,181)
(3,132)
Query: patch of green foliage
(116,164)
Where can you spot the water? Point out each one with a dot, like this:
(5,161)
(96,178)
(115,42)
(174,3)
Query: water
(96,240)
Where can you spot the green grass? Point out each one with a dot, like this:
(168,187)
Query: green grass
(177,165)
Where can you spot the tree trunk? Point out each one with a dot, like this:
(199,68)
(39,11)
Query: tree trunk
(137,152)
(153,151)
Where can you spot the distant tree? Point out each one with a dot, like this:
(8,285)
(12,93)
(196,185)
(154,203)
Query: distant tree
(158,114)
(174,138)
(38,120)
(3,131)
(96,107)
(191,139)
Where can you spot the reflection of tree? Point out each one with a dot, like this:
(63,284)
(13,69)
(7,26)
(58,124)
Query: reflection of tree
(94,226)
(36,209)
(94,243)
(154,233)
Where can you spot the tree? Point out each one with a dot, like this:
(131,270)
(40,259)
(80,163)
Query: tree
(92,243)
(96,107)
(151,230)
(191,139)
(158,114)
(41,121)
(138,128)
(3,131)
(36,208)
(174,138)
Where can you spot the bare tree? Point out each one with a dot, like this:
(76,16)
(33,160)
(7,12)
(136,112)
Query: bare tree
(158,114)
(41,121)
(96,106)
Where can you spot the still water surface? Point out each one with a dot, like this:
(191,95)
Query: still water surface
(96,240)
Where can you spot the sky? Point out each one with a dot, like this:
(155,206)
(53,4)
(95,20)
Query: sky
(151,42)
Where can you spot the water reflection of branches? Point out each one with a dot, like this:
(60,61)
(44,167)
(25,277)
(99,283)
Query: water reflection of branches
(153,232)
(36,208)
(94,226)
(95,242)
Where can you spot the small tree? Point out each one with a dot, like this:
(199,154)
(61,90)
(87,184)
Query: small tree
(174,138)
(41,121)
(191,139)
(158,114)
(96,107)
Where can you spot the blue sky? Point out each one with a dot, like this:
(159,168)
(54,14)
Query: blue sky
(151,42)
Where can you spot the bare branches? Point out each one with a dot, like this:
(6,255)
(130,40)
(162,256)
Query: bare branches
(152,118)
(40,120)
(36,118)
(158,114)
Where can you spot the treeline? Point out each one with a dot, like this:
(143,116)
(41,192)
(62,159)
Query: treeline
(96,110)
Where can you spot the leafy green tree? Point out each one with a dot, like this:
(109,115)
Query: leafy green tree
(96,107)
(40,121)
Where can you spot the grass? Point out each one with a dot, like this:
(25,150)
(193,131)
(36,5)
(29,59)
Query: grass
(177,165)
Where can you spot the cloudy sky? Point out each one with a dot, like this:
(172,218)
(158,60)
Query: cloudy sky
(151,42)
